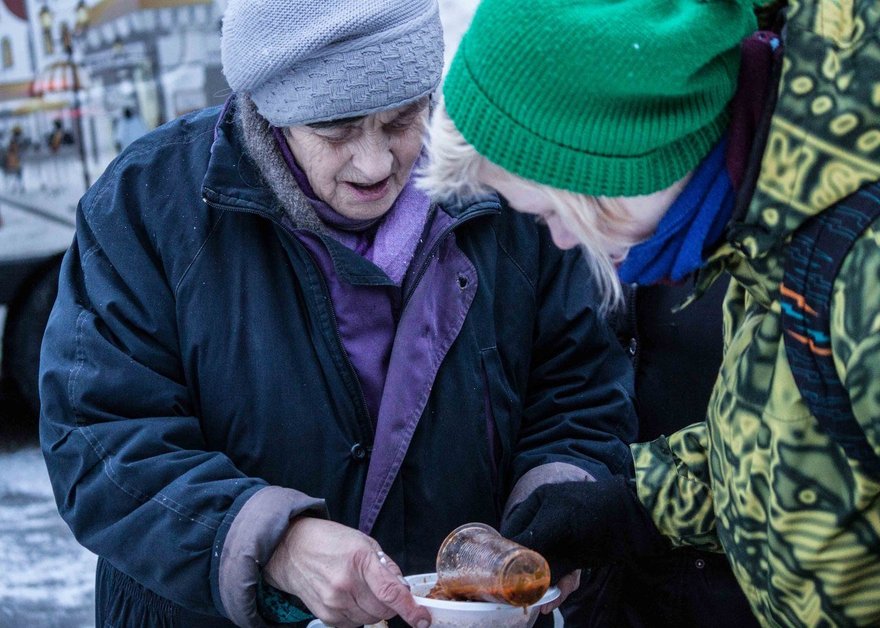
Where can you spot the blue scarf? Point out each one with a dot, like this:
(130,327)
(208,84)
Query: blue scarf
(691,225)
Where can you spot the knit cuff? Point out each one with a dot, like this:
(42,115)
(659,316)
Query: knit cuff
(277,607)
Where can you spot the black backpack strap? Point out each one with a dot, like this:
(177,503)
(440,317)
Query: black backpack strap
(813,259)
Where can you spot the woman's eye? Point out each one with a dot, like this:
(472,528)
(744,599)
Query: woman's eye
(338,137)
(401,124)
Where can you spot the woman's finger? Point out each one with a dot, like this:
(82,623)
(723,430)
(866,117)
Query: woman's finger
(366,598)
(388,587)
(567,584)
(386,562)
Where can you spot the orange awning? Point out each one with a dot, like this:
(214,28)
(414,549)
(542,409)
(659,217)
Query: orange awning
(15,91)
(57,77)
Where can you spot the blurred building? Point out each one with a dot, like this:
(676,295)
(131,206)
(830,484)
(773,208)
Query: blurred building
(160,57)
(84,61)
(17,68)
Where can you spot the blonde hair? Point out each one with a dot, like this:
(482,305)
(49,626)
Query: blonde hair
(453,172)
(453,167)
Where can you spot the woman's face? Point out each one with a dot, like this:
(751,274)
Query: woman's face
(360,166)
(528,199)
(640,215)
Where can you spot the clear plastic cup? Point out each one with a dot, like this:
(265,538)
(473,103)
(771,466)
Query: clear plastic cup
(476,563)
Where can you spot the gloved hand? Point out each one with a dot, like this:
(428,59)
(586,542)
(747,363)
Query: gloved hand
(577,525)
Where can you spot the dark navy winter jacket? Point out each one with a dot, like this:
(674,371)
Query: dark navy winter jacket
(196,395)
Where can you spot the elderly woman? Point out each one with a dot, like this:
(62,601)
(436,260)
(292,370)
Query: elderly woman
(670,138)
(277,375)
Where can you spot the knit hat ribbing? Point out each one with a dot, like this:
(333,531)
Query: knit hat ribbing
(607,98)
(303,61)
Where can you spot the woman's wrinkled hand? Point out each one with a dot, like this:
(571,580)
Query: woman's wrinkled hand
(341,575)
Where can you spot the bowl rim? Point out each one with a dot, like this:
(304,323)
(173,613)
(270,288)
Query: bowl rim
(479,607)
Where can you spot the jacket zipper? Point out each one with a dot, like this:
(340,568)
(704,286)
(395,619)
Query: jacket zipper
(632,316)
(362,400)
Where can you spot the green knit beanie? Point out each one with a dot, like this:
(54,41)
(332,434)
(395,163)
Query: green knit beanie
(600,97)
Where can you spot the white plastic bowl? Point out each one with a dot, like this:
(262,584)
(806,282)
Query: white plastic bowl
(447,614)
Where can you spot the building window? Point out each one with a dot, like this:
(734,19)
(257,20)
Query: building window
(6,52)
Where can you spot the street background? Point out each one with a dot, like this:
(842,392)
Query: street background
(46,578)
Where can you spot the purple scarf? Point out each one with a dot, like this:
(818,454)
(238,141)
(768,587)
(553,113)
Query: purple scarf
(388,241)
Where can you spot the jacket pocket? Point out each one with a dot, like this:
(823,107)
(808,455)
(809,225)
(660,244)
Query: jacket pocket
(501,429)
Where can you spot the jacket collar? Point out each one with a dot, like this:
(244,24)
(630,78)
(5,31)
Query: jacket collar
(232,179)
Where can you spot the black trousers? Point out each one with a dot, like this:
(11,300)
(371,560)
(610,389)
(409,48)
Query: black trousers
(685,587)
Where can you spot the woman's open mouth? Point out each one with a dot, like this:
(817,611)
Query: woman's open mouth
(372,192)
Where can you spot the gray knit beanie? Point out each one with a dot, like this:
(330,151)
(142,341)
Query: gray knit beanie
(305,61)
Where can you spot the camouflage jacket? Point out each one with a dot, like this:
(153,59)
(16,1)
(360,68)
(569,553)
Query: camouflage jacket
(799,521)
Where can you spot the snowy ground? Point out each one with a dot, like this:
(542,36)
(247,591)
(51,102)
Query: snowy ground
(46,578)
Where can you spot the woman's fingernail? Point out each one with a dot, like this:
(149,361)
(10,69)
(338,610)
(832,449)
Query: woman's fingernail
(403,581)
(423,623)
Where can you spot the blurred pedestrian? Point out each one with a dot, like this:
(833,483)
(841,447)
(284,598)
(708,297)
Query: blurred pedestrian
(129,127)
(12,162)
(57,138)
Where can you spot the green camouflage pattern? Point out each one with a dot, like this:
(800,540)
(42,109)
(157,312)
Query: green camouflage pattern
(799,521)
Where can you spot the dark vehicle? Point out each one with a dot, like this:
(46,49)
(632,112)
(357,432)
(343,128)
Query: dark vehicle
(32,243)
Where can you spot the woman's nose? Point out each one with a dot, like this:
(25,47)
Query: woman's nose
(373,157)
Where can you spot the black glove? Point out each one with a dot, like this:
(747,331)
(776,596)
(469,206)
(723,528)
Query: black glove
(577,525)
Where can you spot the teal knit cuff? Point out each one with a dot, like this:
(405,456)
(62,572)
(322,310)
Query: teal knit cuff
(278,607)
